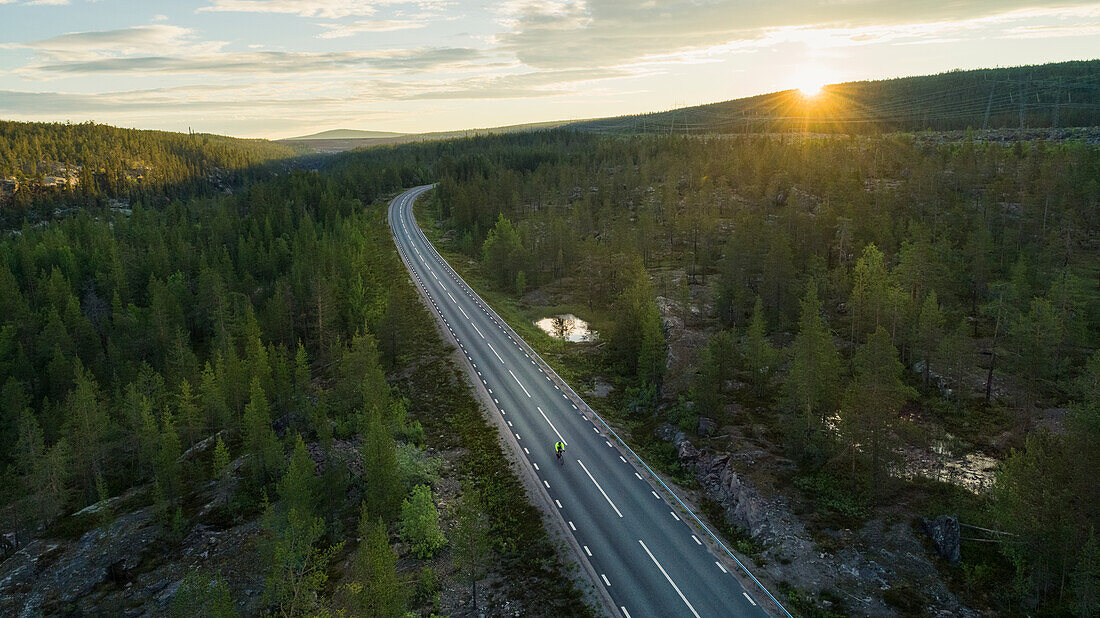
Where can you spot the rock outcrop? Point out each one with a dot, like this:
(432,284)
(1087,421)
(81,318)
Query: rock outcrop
(872,560)
(944,531)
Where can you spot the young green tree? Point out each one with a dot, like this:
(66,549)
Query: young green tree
(760,356)
(166,464)
(298,488)
(872,405)
(297,568)
(50,481)
(260,444)
(212,401)
(85,430)
(301,374)
(374,590)
(420,523)
(470,539)
(220,469)
(200,594)
(188,416)
(812,384)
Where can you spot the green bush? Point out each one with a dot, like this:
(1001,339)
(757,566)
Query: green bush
(420,523)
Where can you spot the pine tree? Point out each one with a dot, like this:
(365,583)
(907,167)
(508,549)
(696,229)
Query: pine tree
(167,459)
(50,481)
(260,444)
(955,353)
(220,468)
(374,590)
(929,331)
(212,400)
(301,374)
(420,523)
(471,539)
(298,488)
(869,291)
(760,356)
(812,383)
(187,414)
(85,430)
(381,479)
(872,407)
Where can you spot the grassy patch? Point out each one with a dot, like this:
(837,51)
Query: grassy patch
(804,604)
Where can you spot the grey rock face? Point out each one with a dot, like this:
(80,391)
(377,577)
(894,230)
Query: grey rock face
(944,531)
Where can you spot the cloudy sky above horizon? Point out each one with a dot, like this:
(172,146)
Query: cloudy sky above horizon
(277,68)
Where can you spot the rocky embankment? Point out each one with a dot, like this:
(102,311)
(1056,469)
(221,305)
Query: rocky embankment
(875,559)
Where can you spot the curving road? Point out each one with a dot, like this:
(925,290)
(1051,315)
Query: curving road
(648,560)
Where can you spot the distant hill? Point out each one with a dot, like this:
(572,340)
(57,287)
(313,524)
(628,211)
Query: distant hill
(1064,94)
(345,134)
(41,163)
(341,144)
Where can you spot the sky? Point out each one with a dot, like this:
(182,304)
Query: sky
(280,68)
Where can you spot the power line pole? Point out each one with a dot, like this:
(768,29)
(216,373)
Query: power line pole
(1021,105)
(1057,105)
(988,106)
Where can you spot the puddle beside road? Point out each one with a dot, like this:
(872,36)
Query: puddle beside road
(568,327)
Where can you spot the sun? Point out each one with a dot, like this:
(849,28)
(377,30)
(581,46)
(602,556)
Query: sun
(810,88)
(811,79)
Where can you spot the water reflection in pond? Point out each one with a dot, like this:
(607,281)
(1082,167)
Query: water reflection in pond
(568,327)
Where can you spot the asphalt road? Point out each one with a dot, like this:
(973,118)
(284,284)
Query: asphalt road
(647,558)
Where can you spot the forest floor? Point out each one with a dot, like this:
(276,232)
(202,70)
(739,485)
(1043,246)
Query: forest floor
(829,552)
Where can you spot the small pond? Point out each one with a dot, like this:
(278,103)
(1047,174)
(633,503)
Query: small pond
(568,327)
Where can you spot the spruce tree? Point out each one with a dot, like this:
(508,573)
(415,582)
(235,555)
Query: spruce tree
(380,476)
(812,384)
(872,405)
(260,444)
(760,356)
(929,332)
(471,539)
(374,590)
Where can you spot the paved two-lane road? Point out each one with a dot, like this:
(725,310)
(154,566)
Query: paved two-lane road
(646,557)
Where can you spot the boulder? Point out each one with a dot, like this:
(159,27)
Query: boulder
(707,426)
(944,531)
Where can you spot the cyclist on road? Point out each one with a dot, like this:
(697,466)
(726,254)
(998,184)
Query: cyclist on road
(559,450)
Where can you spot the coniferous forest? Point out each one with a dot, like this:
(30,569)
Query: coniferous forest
(248,362)
(241,368)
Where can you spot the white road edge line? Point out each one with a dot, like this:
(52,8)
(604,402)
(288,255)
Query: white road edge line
(599,488)
(677,588)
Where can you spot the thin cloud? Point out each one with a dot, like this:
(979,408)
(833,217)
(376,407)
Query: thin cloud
(328,9)
(338,31)
(153,38)
(582,33)
(270,62)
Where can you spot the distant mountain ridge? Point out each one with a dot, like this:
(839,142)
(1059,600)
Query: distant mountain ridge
(1054,95)
(347,134)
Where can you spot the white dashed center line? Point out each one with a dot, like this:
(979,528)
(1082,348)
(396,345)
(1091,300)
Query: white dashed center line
(674,586)
(599,488)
